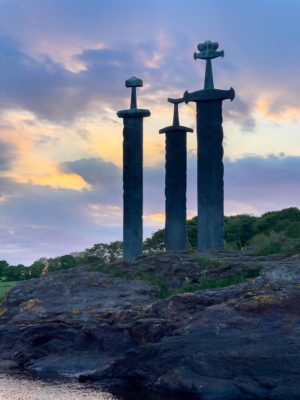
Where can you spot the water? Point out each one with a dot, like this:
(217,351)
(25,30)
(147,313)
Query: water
(23,388)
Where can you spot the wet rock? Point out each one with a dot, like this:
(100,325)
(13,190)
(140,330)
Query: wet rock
(7,365)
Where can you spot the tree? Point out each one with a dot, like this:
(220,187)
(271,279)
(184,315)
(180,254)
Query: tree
(238,230)
(67,262)
(15,272)
(3,266)
(36,269)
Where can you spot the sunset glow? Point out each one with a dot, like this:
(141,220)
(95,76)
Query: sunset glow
(63,67)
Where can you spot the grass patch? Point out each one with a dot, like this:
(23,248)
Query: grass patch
(209,263)
(219,282)
(163,290)
(214,283)
(161,285)
(270,249)
(109,270)
(5,287)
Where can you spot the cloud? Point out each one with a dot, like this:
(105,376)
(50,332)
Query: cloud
(241,113)
(273,109)
(94,171)
(45,221)
(63,67)
(46,43)
(7,155)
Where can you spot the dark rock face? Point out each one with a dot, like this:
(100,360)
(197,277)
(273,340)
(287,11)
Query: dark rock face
(236,342)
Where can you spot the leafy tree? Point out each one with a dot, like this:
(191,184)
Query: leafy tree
(15,272)
(3,266)
(104,252)
(156,243)
(238,230)
(36,269)
(192,232)
(67,262)
(277,220)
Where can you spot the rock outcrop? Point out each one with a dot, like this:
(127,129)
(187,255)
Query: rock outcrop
(240,341)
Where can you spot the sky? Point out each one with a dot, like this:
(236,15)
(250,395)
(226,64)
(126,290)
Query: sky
(63,64)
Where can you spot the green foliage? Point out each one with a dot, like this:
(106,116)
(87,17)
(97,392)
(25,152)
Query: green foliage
(270,249)
(238,230)
(293,230)
(259,240)
(277,220)
(67,262)
(36,269)
(15,273)
(103,252)
(3,266)
(62,263)
(191,228)
(221,281)
(208,263)
(109,270)
(156,243)
(5,287)
(275,232)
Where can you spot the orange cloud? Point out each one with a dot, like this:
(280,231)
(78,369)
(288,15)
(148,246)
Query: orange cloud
(159,217)
(287,114)
(55,180)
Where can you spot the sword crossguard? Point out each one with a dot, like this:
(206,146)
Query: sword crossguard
(176,101)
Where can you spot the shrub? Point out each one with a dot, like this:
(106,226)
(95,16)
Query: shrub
(238,230)
(293,230)
(36,269)
(67,262)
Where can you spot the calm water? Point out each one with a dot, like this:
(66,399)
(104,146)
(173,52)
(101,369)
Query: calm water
(21,388)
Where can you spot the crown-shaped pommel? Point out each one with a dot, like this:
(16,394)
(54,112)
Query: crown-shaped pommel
(208,51)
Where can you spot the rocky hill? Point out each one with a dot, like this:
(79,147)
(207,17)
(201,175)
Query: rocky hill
(220,325)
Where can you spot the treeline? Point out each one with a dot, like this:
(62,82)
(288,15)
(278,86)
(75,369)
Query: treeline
(38,268)
(276,232)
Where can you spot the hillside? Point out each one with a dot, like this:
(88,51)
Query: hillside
(220,325)
(273,233)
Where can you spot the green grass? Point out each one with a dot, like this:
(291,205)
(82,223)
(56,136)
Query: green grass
(209,263)
(156,281)
(5,287)
(109,270)
(219,282)
(161,284)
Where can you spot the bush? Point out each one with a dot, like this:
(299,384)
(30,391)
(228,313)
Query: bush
(3,266)
(36,269)
(103,252)
(67,262)
(270,249)
(62,263)
(259,240)
(277,220)
(238,230)
(293,230)
(16,272)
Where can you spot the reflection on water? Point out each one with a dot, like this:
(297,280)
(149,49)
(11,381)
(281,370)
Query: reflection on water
(21,388)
